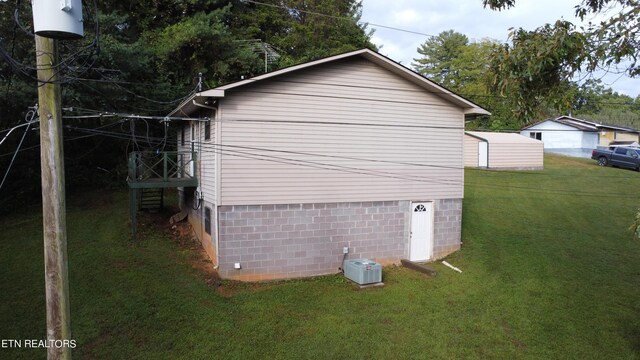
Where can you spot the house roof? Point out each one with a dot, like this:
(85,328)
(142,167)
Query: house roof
(504,138)
(469,107)
(584,125)
(569,121)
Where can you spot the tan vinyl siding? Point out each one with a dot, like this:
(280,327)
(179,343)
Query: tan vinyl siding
(207,162)
(506,150)
(471,151)
(518,155)
(345,132)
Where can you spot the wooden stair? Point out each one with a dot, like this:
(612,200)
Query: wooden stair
(151,199)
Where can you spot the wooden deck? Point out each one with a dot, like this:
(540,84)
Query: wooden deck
(158,170)
(166,169)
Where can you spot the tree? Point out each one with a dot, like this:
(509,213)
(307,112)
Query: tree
(305,30)
(593,101)
(462,66)
(539,65)
(441,58)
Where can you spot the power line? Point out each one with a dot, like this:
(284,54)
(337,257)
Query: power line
(30,120)
(333,167)
(402,177)
(327,166)
(134,116)
(11,130)
(345,18)
(216,146)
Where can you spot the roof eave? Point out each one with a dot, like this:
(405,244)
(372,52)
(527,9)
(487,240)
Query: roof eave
(476,111)
(188,106)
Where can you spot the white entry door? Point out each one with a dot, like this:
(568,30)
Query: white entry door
(483,148)
(421,244)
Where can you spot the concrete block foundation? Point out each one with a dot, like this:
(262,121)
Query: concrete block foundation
(300,240)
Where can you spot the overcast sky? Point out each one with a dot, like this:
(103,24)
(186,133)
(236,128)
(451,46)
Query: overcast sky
(467,17)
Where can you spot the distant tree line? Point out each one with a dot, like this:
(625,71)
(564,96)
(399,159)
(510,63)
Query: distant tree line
(470,69)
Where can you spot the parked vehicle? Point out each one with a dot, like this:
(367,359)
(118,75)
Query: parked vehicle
(628,157)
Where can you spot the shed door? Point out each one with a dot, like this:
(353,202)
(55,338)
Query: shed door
(421,242)
(483,154)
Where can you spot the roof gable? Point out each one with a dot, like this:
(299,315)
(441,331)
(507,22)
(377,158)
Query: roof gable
(581,124)
(567,121)
(504,138)
(219,92)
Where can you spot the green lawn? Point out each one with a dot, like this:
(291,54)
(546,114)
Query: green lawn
(550,271)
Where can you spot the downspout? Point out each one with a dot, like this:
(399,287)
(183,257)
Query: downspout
(205,106)
(200,139)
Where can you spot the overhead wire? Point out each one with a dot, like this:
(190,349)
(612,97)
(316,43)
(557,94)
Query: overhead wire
(345,18)
(347,169)
(9,131)
(211,145)
(423,180)
(30,120)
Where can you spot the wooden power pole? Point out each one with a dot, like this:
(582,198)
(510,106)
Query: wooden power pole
(53,198)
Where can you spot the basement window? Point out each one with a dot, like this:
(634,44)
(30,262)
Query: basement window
(207,220)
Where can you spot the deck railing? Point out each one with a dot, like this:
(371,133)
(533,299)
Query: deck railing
(165,166)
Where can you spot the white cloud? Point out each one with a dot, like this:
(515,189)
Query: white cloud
(406,17)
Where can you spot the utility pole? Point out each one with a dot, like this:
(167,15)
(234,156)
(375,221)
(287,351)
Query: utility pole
(53,198)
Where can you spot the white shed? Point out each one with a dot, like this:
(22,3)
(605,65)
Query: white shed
(502,151)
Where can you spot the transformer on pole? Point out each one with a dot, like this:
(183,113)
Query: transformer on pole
(61,19)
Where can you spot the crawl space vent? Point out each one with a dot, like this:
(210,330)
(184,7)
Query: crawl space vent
(363,271)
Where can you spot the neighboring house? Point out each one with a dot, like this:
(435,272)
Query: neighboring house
(354,150)
(610,135)
(494,150)
(576,137)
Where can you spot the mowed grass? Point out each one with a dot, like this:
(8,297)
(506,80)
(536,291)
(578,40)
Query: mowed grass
(550,271)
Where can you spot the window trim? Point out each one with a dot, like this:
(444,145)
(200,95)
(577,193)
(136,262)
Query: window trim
(207,220)
(207,130)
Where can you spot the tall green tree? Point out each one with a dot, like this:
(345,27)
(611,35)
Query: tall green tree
(305,30)
(441,59)
(451,60)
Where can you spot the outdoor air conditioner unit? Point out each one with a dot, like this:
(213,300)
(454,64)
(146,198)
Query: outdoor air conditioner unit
(363,271)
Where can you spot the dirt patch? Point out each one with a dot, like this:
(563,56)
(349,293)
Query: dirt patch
(183,235)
